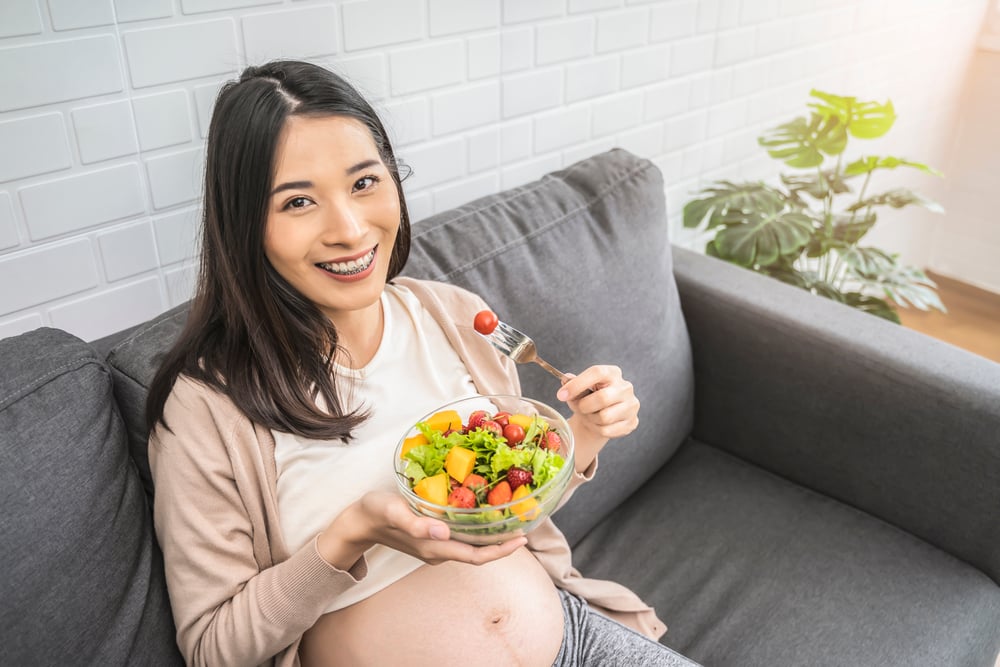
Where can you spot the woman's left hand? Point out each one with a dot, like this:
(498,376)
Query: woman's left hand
(610,411)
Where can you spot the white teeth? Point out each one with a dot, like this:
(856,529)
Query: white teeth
(349,267)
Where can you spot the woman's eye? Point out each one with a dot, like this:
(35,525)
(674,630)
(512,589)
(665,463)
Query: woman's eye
(297,202)
(365,183)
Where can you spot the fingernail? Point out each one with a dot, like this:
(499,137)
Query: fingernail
(439,533)
(562,394)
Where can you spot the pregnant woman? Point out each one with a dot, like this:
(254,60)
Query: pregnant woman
(274,417)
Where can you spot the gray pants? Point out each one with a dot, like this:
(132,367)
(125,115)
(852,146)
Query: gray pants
(591,639)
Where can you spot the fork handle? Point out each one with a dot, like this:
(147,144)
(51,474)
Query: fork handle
(551,369)
(558,373)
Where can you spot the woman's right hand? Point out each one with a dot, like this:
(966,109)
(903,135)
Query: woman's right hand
(382,517)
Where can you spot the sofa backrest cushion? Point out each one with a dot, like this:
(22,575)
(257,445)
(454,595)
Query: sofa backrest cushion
(83,581)
(580,261)
(133,362)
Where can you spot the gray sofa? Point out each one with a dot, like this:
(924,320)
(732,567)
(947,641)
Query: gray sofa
(809,485)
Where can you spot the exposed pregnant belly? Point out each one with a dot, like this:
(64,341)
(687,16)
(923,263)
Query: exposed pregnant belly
(503,613)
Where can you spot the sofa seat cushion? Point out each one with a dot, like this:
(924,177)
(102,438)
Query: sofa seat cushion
(82,578)
(748,569)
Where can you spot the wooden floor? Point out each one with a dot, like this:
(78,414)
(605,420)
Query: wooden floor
(972,321)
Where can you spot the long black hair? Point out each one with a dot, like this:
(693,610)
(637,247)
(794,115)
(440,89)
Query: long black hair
(249,333)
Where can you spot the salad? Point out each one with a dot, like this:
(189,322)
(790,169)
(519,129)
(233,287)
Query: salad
(493,462)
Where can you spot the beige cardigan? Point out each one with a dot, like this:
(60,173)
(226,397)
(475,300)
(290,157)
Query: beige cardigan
(238,596)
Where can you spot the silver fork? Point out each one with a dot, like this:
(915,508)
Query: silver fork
(519,347)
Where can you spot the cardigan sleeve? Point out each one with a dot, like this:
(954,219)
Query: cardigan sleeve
(227,608)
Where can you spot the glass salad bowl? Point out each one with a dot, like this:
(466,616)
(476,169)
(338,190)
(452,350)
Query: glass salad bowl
(491,467)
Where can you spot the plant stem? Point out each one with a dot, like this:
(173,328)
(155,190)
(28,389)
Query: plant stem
(827,203)
(835,272)
(861,196)
(829,273)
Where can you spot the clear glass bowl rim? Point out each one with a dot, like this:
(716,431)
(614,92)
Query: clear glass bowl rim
(402,481)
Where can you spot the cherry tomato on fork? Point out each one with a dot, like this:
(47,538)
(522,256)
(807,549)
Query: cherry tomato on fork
(485,322)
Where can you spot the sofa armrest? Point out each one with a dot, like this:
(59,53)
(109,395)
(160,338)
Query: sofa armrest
(882,418)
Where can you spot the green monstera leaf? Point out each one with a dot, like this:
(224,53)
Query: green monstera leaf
(868,164)
(851,229)
(725,197)
(879,271)
(764,236)
(863,120)
(897,198)
(872,305)
(804,279)
(813,185)
(804,229)
(868,262)
(846,231)
(803,143)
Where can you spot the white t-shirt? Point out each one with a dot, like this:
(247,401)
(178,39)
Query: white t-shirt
(414,371)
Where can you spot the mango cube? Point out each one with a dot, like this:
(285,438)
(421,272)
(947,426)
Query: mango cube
(524,421)
(433,489)
(445,420)
(527,509)
(459,462)
(410,443)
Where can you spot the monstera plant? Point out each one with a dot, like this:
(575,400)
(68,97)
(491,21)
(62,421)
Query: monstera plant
(807,229)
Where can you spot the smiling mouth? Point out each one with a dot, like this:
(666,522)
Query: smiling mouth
(351,267)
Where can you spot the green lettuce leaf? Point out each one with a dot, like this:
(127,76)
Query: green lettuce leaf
(505,457)
(427,459)
(544,466)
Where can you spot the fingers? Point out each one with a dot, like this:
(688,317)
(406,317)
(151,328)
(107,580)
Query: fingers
(437,551)
(592,379)
(493,552)
(612,409)
(615,421)
(609,388)
(474,555)
(401,518)
(427,538)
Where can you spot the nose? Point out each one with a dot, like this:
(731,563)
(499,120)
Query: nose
(344,225)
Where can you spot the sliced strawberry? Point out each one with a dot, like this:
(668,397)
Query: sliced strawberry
(492,427)
(551,441)
(500,494)
(462,497)
(474,482)
(476,419)
(518,477)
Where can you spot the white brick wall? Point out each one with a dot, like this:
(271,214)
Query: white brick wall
(104,107)
(55,207)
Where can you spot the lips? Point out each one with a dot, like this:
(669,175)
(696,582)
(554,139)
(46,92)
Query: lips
(350,267)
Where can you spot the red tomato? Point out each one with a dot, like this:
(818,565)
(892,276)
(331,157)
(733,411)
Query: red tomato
(514,434)
(502,418)
(486,322)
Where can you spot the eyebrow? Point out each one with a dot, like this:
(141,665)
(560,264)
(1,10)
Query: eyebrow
(293,185)
(362,165)
(297,185)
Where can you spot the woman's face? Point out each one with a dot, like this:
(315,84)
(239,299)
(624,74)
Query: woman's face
(333,214)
